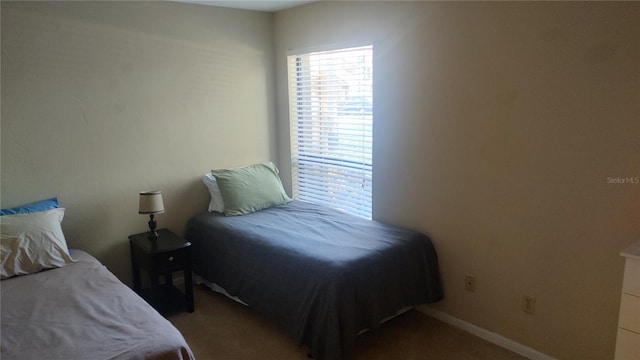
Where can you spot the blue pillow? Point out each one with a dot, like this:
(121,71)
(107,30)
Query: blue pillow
(37,206)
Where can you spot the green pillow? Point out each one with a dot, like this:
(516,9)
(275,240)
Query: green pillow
(250,188)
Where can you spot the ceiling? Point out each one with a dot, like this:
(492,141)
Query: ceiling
(260,5)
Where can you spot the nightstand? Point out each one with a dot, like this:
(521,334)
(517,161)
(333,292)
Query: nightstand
(167,254)
(628,339)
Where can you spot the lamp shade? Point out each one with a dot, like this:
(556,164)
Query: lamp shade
(151,202)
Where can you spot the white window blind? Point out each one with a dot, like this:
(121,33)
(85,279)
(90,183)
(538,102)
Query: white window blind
(331,112)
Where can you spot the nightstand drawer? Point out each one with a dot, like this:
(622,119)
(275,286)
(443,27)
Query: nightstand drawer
(172,260)
(628,340)
(631,283)
(627,345)
(630,313)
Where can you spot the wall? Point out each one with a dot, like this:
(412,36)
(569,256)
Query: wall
(496,128)
(104,99)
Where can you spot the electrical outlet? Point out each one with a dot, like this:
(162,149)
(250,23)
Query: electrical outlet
(470,283)
(529,304)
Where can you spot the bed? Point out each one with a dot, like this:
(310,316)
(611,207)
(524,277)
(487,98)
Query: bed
(82,311)
(320,274)
(58,303)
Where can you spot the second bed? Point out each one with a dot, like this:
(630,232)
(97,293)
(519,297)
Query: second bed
(318,273)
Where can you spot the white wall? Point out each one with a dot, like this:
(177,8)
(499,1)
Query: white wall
(496,126)
(101,100)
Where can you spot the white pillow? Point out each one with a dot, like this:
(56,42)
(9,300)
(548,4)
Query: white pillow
(215,204)
(32,242)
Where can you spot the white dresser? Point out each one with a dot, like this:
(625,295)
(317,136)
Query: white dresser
(628,339)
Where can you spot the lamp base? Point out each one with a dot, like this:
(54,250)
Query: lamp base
(153,235)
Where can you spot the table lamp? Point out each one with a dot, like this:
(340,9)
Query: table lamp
(151,203)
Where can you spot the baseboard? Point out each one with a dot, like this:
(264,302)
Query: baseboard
(487,335)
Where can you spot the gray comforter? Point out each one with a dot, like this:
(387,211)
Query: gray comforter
(318,273)
(82,311)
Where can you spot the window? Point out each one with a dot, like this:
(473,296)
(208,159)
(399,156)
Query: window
(331,111)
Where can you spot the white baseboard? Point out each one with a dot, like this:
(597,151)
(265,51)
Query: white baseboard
(487,335)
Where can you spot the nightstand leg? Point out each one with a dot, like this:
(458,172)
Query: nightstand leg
(136,272)
(136,278)
(153,279)
(188,288)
